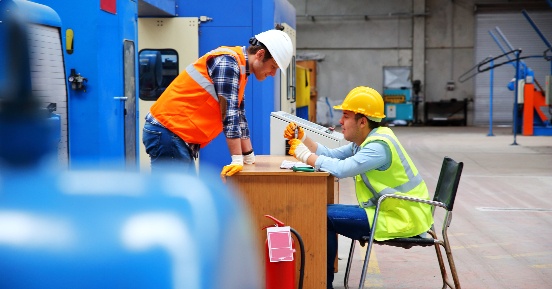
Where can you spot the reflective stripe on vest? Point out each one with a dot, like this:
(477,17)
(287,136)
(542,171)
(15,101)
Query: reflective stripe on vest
(202,81)
(206,83)
(413,181)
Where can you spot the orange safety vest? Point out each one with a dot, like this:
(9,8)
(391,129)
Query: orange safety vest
(190,107)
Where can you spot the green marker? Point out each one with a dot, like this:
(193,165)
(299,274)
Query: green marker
(302,169)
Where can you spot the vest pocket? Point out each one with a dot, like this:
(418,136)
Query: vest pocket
(397,218)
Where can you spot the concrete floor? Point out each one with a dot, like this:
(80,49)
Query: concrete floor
(501,228)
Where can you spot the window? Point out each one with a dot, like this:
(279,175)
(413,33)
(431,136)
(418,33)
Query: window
(158,68)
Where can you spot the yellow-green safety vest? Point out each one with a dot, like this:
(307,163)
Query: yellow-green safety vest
(397,218)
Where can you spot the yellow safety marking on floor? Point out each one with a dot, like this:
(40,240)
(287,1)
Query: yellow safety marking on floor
(495,209)
(373,283)
(457,234)
(373,267)
(542,266)
(480,245)
(519,255)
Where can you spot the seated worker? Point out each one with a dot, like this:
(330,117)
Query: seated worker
(379,165)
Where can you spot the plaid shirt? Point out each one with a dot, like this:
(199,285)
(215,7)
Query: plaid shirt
(225,73)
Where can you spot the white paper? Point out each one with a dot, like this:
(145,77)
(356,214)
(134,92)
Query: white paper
(290,164)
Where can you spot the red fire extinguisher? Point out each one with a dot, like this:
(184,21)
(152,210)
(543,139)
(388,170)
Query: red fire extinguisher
(280,269)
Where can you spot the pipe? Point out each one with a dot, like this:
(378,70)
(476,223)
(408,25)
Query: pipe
(516,85)
(491,101)
(524,12)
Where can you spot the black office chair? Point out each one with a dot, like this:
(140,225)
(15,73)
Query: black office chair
(445,194)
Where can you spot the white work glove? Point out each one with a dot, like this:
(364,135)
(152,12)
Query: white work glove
(289,132)
(249,159)
(300,151)
(235,166)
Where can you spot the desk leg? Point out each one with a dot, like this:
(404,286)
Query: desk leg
(334,199)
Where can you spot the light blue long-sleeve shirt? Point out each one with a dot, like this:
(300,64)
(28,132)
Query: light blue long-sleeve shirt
(350,160)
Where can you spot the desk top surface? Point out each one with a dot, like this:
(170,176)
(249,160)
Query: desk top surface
(270,165)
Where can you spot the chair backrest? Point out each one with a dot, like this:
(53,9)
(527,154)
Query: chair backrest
(449,178)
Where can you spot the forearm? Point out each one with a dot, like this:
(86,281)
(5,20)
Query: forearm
(312,159)
(234,146)
(246,145)
(312,145)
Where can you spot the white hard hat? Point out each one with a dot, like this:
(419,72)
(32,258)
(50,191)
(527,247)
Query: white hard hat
(280,46)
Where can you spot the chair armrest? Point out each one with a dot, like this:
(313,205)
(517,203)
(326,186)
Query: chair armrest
(411,199)
(400,197)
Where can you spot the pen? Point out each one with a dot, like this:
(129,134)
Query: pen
(296,131)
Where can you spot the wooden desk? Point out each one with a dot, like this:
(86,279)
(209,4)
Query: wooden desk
(298,199)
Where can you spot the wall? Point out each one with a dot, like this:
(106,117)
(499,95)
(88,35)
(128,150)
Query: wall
(358,38)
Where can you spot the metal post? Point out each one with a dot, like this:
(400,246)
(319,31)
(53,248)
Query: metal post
(536,28)
(517,52)
(491,101)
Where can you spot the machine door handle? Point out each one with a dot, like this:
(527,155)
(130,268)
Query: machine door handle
(123,98)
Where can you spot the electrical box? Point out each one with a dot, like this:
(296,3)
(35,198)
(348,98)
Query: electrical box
(279,120)
(397,94)
(398,104)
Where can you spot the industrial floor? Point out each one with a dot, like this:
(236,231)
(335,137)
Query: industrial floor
(501,230)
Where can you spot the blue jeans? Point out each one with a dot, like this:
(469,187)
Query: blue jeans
(349,221)
(166,149)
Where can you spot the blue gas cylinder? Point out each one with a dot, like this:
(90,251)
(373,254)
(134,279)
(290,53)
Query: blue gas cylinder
(101,228)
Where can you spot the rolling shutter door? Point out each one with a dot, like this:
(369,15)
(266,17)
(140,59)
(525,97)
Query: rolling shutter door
(48,76)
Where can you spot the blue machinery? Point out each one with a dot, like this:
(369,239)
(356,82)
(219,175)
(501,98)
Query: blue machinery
(87,73)
(99,69)
(397,95)
(529,119)
(398,104)
(98,227)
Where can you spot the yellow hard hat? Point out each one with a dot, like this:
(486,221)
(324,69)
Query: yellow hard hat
(364,100)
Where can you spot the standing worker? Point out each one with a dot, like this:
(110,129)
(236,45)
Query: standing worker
(208,98)
(379,165)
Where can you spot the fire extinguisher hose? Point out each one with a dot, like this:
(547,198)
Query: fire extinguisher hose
(302,248)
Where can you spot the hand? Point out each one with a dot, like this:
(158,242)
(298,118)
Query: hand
(300,151)
(235,166)
(289,133)
(249,159)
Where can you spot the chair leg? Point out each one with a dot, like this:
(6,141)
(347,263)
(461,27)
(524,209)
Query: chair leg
(349,262)
(446,246)
(450,259)
(442,267)
(366,262)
